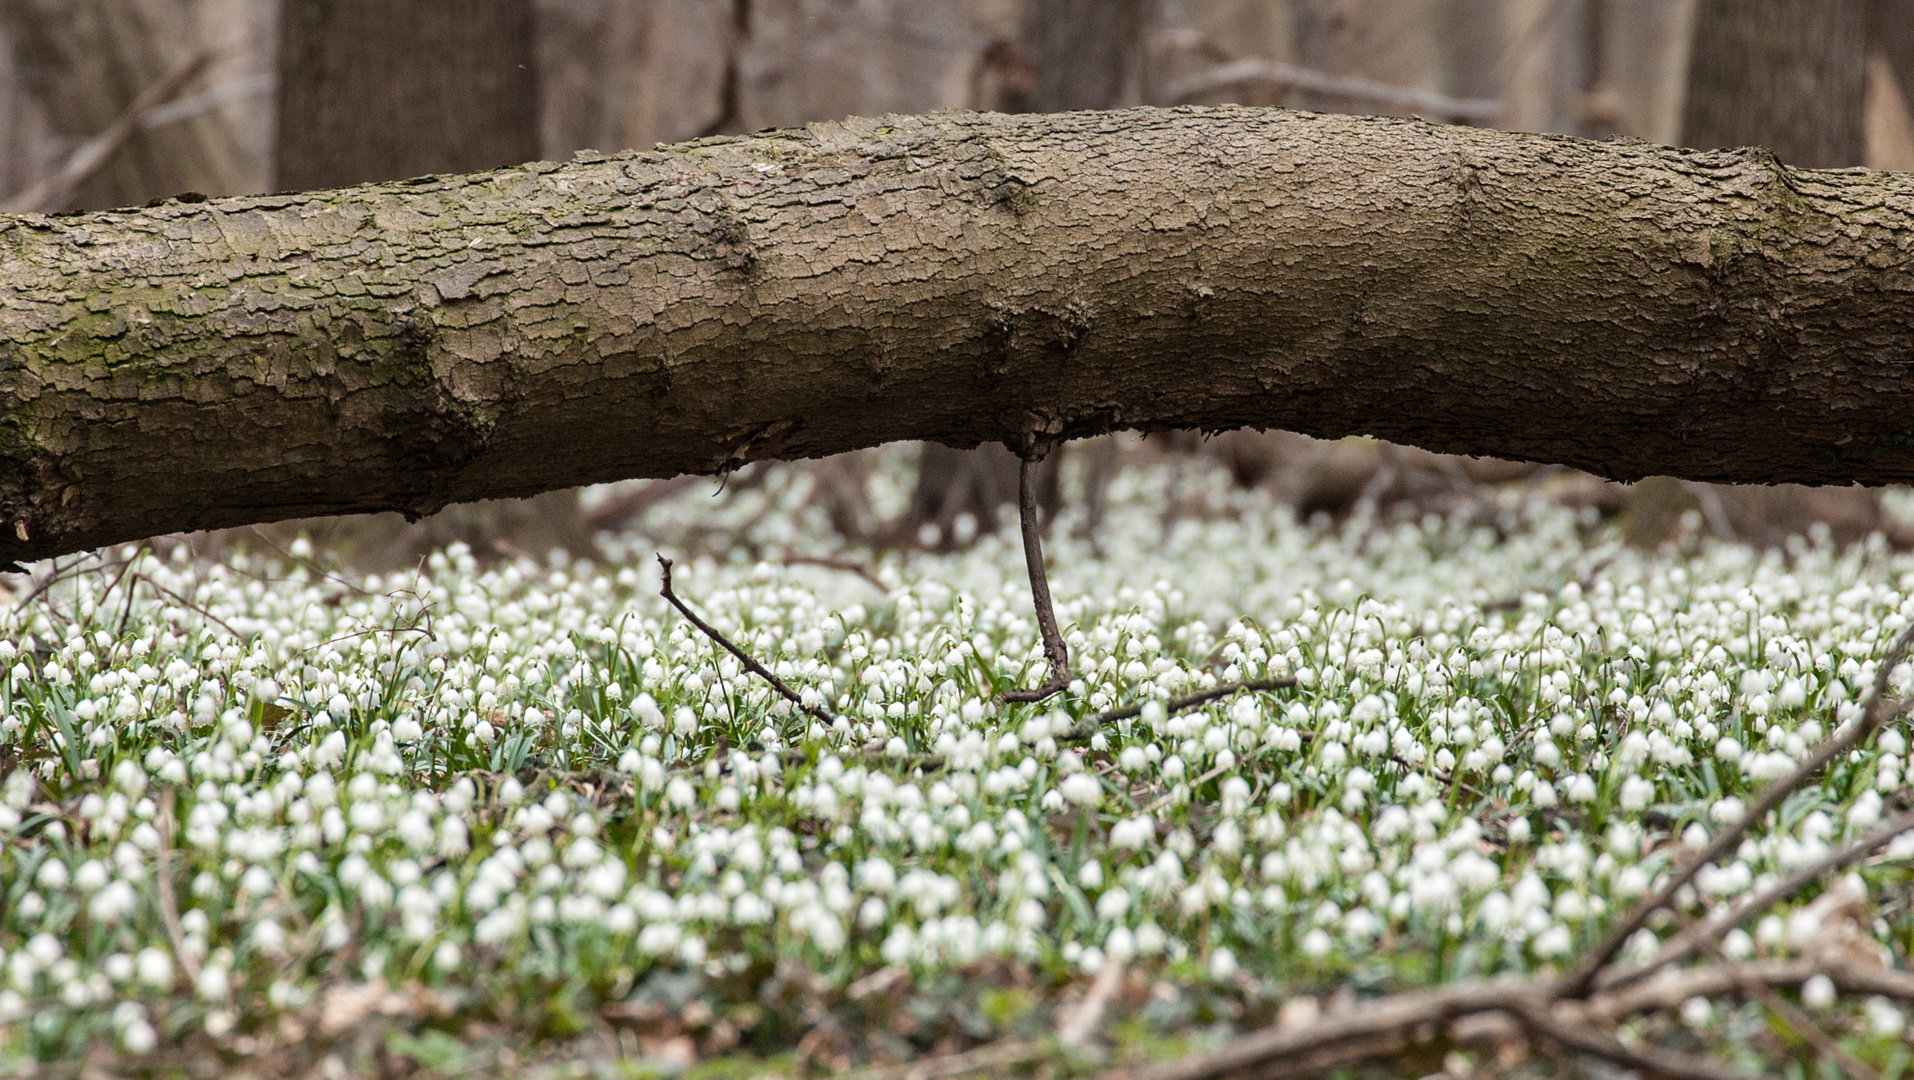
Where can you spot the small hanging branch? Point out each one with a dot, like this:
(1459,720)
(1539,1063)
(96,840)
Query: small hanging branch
(1054,649)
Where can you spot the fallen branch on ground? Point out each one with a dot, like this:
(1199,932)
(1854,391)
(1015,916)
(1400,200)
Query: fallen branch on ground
(1879,709)
(744,658)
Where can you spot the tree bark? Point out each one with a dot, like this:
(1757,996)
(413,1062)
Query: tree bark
(963,278)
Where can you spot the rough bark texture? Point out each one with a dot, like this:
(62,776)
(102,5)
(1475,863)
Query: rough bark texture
(381,89)
(961,278)
(1790,75)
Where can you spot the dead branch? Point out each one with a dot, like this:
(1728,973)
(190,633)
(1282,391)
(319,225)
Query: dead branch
(847,565)
(1054,648)
(1577,1036)
(1291,77)
(1688,941)
(92,155)
(744,658)
(1879,709)
(1364,1030)
(613,513)
(1796,1018)
(1090,725)
(989,1056)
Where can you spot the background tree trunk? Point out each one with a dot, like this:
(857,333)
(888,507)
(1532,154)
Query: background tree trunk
(1075,54)
(387,89)
(87,60)
(1790,75)
(960,278)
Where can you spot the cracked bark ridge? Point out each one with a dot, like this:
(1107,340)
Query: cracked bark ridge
(958,277)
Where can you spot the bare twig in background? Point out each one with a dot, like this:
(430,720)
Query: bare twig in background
(744,658)
(847,565)
(614,512)
(1879,709)
(1289,76)
(51,193)
(1054,648)
(206,101)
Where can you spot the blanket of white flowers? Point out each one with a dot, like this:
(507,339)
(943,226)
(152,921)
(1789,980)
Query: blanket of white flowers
(262,803)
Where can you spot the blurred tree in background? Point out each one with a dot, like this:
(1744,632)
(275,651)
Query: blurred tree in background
(386,89)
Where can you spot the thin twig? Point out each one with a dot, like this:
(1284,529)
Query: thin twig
(1089,725)
(1657,1061)
(1879,709)
(1289,76)
(194,607)
(989,1056)
(1689,941)
(744,658)
(169,908)
(845,565)
(1792,1015)
(93,154)
(1054,648)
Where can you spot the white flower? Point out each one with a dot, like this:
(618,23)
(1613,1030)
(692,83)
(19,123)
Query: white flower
(1317,943)
(1884,1018)
(214,982)
(1082,788)
(154,968)
(1554,941)
(1636,793)
(680,793)
(113,903)
(1818,992)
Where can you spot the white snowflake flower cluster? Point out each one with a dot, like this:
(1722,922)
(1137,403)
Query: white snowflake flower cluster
(228,784)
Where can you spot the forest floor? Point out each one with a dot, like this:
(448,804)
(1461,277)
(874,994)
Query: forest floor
(263,815)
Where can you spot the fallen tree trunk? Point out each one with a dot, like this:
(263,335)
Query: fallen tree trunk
(962,278)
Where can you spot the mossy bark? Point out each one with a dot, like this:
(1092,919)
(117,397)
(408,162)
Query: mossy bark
(963,278)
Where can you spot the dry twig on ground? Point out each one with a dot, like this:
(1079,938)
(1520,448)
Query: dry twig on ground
(744,658)
(1568,1010)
